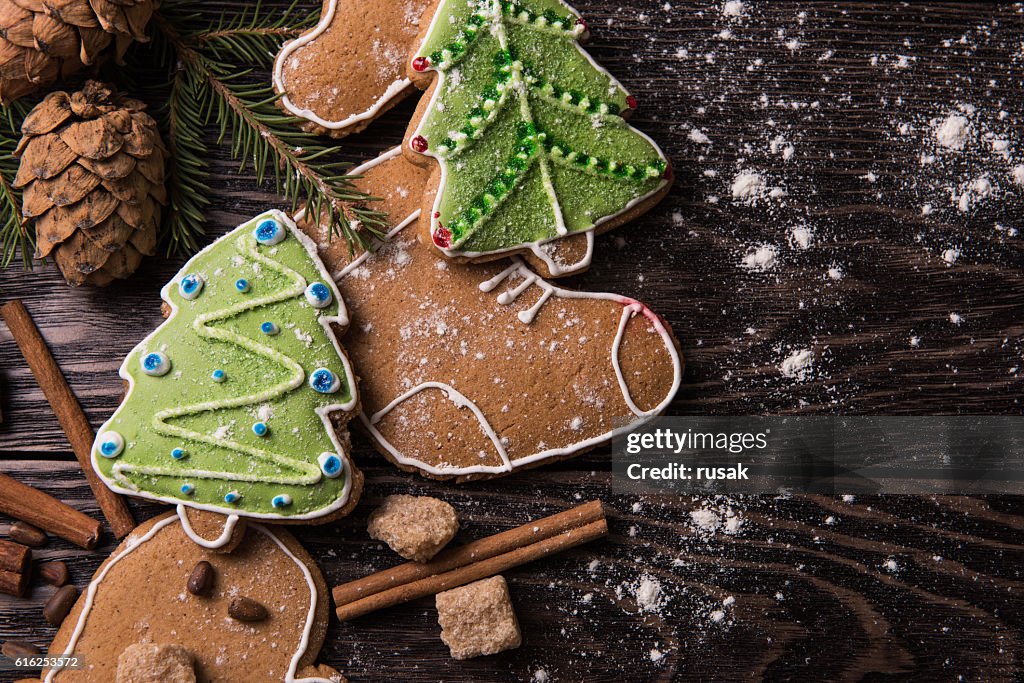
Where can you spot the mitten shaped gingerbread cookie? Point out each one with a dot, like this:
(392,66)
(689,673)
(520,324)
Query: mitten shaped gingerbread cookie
(474,370)
(525,132)
(234,401)
(162,608)
(348,70)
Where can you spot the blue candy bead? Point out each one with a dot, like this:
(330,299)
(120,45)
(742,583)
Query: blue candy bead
(110,444)
(155,364)
(269,232)
(191,286)
(324,381)
(319,295)
(331,465)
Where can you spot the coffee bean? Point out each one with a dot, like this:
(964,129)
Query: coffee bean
(54,573)
(245,609)
(59,604)
(200,581)
(12,649)
(26,534)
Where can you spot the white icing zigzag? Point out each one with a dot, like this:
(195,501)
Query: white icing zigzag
(309,473)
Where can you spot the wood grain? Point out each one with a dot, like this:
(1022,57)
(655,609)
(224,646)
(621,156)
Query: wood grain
(879,588)
(66,409)
(823,589)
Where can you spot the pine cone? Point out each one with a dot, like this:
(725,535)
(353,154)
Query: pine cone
(92,169)
(44,41)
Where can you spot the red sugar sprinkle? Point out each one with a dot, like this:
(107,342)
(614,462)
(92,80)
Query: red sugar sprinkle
(418,144)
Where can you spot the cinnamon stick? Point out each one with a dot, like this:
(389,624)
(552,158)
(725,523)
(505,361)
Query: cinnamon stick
(474,561)
(46,512)
(13,583)
(67,409)
(14,557)
(15,563)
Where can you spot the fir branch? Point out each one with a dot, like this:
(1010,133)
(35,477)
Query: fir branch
(188,191)
(259,132)
(15,235)
(255,37)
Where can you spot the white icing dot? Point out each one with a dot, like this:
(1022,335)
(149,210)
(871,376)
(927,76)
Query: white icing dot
(331,465)
(110,444)
(155,364)
(191,286)
(319,295)
(269,232)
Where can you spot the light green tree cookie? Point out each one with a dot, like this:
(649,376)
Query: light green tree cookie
(229,399)
(527,129)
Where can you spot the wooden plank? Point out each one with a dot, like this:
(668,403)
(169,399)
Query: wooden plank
(822,588)
(839,97)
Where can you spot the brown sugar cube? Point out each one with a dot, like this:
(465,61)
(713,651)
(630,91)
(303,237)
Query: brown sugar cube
(414,527)
(478,619)
(147,662)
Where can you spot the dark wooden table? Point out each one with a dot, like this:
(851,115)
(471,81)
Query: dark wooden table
(910,298)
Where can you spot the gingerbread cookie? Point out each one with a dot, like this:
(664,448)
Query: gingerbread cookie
(474,370)
(234,401)
(261,613)
(525,131)
(348,70)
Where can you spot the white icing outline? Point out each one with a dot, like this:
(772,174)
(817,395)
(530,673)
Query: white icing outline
(558,269)
(630,308)
(555,269)
(460,401)
(219,542)
(324,412)
(131,544)
(326,18)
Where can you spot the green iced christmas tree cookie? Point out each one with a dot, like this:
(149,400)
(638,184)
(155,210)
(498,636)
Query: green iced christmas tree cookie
(229,400)
(527,129)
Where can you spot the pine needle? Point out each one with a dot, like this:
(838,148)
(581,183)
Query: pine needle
(14,235)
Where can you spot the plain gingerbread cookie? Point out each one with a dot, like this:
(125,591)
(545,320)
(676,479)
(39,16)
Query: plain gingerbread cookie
(140,595)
